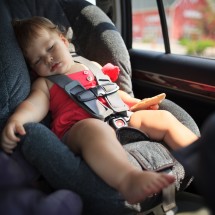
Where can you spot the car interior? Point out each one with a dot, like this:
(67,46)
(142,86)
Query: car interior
(101,33)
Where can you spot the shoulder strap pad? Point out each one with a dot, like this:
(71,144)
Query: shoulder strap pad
(113,99)
(88,98)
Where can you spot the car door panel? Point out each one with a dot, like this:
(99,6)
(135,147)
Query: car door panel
(188,81)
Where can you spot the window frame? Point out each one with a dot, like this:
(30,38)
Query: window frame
(126,27)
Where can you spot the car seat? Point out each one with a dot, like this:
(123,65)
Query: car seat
(96,38)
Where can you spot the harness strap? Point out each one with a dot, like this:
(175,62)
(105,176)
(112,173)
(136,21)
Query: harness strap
(113,99)
(169,204)
(74,88)
(88,98)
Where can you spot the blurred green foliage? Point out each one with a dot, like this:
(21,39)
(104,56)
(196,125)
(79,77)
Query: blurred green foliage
(196,47)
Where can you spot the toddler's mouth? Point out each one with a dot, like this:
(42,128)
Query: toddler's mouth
(55,66)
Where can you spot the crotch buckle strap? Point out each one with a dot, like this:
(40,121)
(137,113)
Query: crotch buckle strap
(117,121)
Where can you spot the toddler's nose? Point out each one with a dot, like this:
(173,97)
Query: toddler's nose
(49,59)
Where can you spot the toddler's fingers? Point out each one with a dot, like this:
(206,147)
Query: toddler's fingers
(153,107)
(20,130)
(9,151)
(8,147)
(11,137)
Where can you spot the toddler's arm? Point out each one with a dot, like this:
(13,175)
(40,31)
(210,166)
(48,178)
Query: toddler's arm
(33,109)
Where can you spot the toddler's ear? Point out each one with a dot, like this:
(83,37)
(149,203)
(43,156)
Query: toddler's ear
(64,39)
(69,34)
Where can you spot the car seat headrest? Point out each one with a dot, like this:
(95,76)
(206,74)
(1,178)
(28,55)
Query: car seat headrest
(97,39)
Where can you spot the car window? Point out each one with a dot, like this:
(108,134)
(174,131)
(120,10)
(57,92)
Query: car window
(92,1)
(146,26)
(190,23)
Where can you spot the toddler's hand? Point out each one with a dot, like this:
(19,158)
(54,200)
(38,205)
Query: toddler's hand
(149,103)
(153,107)
(10,134)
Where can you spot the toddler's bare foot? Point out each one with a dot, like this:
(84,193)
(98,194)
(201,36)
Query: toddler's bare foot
(138,185)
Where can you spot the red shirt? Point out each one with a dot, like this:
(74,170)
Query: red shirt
(65,112)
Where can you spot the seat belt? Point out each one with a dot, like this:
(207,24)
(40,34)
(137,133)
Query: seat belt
(85,98)
(88,98)
(113,99)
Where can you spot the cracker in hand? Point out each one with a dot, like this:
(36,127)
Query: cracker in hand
(147,102)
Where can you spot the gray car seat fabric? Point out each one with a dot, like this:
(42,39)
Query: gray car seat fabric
(96,38)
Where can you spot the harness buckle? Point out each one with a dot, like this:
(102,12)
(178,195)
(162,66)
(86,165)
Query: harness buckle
(92,93)
(117,122)
(104,89)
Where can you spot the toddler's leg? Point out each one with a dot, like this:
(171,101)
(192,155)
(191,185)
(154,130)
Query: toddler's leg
(161,125)
(97,143)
